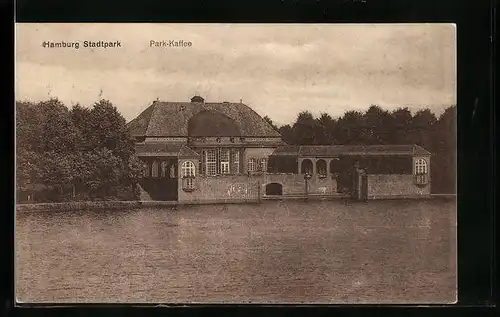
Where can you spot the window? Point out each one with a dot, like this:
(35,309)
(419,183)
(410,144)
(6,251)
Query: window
(420,167)
(263,165)
(251,165)
(154,169)
(187,169)
(146,170)
(164,169)
(224,161)
(236,161)
(173,171)
(188,174)
(420,172)
(211,162)
(188,184)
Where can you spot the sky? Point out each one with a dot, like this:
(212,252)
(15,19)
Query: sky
(277,69)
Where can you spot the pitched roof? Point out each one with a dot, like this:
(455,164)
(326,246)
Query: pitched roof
(171,119)
(162,149)
(343,150)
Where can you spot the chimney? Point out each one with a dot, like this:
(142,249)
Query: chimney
(197,99)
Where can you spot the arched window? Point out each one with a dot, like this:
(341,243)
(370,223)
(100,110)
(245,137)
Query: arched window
(421,172)
(321,167)
(145,171)
(188,169)
(263,164)
(154,169)
(188,174)
(306,167)
(420,167)
(251,165)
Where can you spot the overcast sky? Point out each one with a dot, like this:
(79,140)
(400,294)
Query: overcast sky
(278,70)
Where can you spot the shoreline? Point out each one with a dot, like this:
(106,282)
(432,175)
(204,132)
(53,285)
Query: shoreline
(116,204)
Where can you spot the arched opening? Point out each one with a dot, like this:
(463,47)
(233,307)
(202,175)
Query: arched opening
(154,169)
(335,166)
(321,167)
(274,189)
(306,167)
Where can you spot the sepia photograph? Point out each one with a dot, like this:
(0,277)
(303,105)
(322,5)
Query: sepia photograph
(235,163)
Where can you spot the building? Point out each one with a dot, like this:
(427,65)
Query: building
(198,152)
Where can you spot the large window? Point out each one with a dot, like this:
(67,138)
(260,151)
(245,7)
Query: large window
(251,165)
(235,158)
(420,167)
(263,165)
(219,161)
(224,161)
(420,171)
(188,169)
(211,162)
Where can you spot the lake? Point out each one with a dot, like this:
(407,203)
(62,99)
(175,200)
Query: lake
(275,252)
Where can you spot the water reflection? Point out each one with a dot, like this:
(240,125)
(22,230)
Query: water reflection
(323,252)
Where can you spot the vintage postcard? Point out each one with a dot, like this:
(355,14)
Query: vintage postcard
(236,163)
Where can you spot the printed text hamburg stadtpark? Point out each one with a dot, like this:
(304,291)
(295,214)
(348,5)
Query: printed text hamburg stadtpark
(113,44)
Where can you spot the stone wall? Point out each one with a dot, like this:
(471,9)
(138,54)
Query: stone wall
(222,189)
(395,186)
(235,188)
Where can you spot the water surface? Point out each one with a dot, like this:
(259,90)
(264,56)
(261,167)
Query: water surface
(276,252)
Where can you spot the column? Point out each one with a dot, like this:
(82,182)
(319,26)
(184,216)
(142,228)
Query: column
(328,172)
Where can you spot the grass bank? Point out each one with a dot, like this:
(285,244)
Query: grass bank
(83,205)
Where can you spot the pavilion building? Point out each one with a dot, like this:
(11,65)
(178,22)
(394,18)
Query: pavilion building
(199,152)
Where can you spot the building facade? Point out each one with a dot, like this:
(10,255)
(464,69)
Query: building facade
(198,152)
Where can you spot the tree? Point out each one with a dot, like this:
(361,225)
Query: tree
(351,128)
(327,128)
(58,131)
(108,129)
(444,149)
(402,122)
(305,129)
(81,151)
(271,123)
(287,135)
(421,128)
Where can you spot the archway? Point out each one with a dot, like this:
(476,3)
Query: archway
(335,166)
(274,189)
(321,167)
(306,167)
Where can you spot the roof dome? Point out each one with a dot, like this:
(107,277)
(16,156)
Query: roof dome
(179,119)
(212,123)
(197,99)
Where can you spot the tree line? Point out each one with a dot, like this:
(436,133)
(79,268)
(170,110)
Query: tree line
(87,153)
(67,154)
(379,126)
